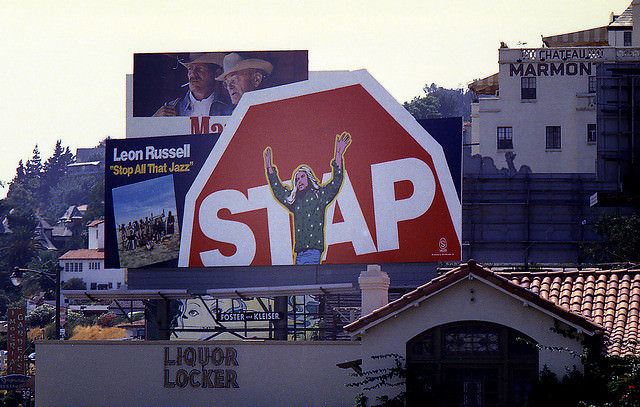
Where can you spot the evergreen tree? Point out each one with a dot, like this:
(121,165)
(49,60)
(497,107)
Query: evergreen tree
(33,169)
(56,166)
(24,191)
(21,173)
(20,246)
(54,170)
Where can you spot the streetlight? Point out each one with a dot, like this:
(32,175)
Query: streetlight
(17,278)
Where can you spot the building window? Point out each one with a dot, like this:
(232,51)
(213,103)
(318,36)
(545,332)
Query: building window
(553,138)
(94,265)
(67,268)
(505,138)
(528,87)
(592,134)
(94,286)
(593,84)
(627,38)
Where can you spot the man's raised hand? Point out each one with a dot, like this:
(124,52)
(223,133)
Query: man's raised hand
(342,142)
(267,160)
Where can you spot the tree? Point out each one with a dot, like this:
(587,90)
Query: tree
(620,241)
(440,102)
(20,246)
(33,170)
(21,173)
(25,191)
(41,316)
(109,319)
(425,107)
(75,283)
(56,167)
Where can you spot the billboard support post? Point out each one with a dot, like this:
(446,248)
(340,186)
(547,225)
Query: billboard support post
(280,305)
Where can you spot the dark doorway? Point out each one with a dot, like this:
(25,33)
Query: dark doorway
(469,364)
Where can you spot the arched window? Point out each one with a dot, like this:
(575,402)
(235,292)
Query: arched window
(470,364)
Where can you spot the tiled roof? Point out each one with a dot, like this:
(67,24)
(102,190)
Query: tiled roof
(486,86)
(83,254)
(593,37)
(453,276)
(624,20)
(609,298)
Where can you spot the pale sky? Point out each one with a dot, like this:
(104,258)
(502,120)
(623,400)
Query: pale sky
(63,75)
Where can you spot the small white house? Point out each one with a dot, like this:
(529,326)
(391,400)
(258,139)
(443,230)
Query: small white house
(88,264)
(474,335)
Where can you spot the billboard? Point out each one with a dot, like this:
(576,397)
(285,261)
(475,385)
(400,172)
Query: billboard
(207,318)
(332,171)
(170,93)
(146,180)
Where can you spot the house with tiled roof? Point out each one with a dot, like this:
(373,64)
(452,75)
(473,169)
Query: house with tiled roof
(88,264)
(475,333)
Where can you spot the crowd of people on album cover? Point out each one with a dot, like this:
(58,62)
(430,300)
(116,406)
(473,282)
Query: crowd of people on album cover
(146,232)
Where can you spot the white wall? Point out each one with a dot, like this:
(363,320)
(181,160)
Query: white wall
(562,100)
(112,374)
(96,236)
(97,276)
(455,305)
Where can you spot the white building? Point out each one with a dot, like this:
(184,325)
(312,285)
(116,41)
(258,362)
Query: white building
(460,335)
(541,106)
(88,264)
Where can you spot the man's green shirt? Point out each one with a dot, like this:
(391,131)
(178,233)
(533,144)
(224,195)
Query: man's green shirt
(309,207)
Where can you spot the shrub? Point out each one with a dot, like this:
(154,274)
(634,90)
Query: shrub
(41,316)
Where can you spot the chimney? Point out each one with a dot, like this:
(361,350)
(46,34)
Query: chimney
(374,286)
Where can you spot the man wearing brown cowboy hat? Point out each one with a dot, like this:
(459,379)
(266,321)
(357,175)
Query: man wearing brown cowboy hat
(243,74)
(205,96)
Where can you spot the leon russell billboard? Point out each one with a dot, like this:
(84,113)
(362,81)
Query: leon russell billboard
(146,180)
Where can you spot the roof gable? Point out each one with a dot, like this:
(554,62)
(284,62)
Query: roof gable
(472,270)
(624,20)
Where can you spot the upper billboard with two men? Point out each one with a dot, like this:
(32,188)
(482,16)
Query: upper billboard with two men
(208,83)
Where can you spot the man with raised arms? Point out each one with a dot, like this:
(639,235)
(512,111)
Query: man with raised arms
(307,200)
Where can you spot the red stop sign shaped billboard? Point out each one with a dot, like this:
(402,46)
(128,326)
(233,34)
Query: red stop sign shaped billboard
(376,187)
